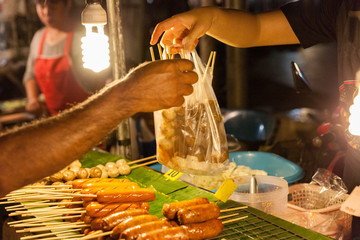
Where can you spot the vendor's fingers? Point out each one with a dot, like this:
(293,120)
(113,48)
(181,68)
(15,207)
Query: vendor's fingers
(187,89)
(190,77)
(168,39)
(184,65)
(190,41)
(162,27)
(175,50)
(179,101)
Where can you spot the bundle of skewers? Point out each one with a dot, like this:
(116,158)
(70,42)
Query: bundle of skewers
(109,209)
(69,209)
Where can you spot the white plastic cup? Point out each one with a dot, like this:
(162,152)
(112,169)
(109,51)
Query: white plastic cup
(271,197)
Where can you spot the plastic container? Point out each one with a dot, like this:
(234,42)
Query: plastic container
(326,218)
(271,163)
(270,198)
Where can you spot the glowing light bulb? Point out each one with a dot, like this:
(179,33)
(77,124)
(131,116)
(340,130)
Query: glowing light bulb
(354,118)
(95,48)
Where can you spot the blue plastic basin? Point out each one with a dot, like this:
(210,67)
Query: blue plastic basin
(273,164)
(249,125)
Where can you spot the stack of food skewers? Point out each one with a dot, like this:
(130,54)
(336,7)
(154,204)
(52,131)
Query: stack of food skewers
(115,209)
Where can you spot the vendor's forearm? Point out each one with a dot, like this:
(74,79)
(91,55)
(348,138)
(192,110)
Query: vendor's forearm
(243,29)
(31,89)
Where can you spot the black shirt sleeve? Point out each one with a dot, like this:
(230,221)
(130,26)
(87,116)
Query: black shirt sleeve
(313,21)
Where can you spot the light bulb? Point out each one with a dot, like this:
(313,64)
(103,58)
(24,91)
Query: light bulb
(95,48)
(354,118)
(95,44)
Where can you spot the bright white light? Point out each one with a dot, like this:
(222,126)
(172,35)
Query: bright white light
(354,118)
(95,49)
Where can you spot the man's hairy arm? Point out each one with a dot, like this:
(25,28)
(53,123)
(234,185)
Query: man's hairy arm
(32,152)
(37,150)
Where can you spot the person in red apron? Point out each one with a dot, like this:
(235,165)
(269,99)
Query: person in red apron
(54,65)
(56,79)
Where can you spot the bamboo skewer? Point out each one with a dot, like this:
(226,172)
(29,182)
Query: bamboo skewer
(152,54)
(46,210)
(41,219)
(36,190)
(48,186)
(92,236)
(182,53)
(34,210)
(43,224)
(213,60)
(208,65)
(45,234)
(66,194)
(35,205)
(144,164)
(56,213)
(167,56)
(41,197)
(142,159)
(227,216)
(212,67)
(160,51)
(233,209)
(64,226)
(72,237)
(234,220)
(7,202)
(52,195)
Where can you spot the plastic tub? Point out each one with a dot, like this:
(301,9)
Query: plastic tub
(271,163)
(315,208)
(270,198)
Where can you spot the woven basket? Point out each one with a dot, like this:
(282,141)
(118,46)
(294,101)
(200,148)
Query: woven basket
(308,198)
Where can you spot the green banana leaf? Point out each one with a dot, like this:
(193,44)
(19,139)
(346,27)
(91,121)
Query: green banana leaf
(262,225)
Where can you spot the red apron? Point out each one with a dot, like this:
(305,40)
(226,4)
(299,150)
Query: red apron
(56,79)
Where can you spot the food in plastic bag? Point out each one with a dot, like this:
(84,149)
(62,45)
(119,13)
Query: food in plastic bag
(191,138)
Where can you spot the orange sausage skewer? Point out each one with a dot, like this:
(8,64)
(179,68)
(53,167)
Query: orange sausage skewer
(198,213)
(170,210)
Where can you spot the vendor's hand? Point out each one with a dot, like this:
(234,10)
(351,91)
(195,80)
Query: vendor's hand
(182,31)
(34,106)
(161,84)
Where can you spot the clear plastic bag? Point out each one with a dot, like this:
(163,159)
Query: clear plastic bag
(192,138)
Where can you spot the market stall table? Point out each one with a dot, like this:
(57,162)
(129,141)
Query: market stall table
(256,225)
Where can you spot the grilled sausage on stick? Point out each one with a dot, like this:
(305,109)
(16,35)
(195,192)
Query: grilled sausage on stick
(198,213)
(95,209)
(132,233)
(126,195)
(108,186)
(96,224)
(112,220)
(174,233)
(78,183)
(204,230)
(131,222)
(170,210)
